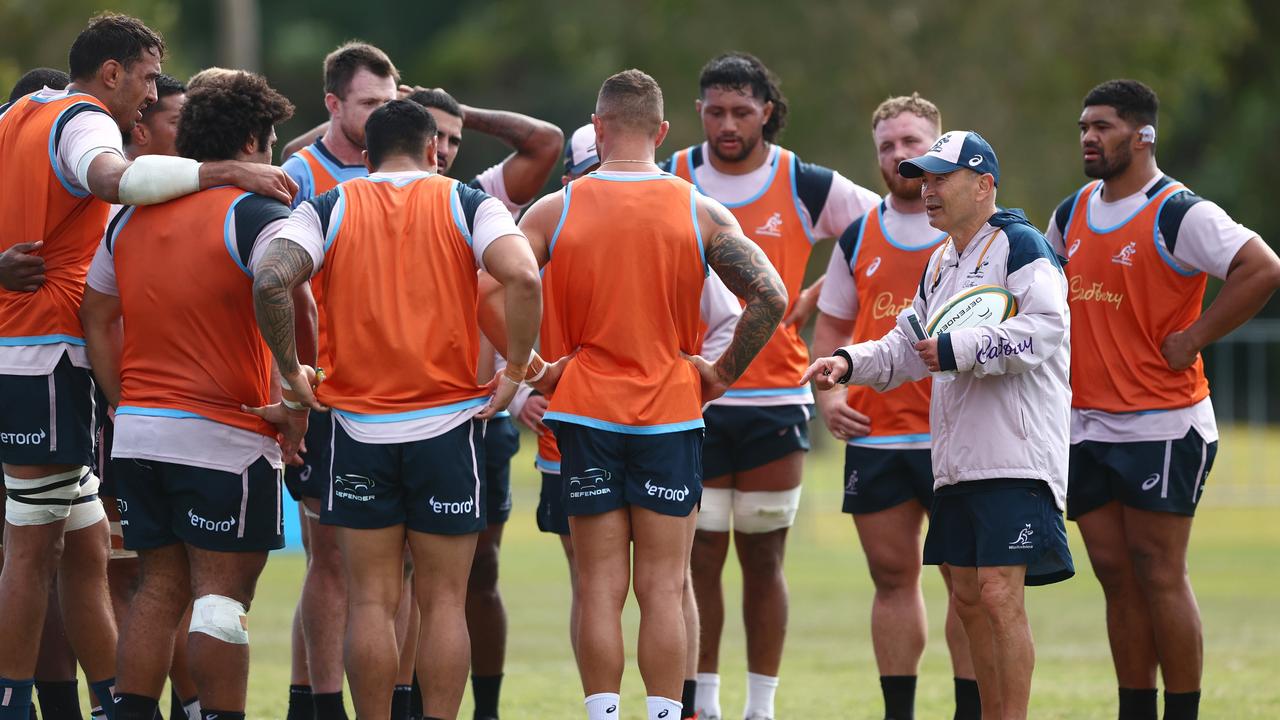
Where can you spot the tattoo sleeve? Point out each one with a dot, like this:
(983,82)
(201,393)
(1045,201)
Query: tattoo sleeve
(511,128)
(283,267)
(747,272)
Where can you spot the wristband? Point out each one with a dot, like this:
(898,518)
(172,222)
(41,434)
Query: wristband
(848,360)
(541,371)
(292,404)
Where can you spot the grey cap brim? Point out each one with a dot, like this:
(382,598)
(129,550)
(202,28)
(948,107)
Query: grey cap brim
(916,167)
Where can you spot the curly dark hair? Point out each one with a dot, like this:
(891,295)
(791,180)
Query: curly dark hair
(744,71)
(438,99)
(219,118)
(1134,101)
(111,36)
(37,79)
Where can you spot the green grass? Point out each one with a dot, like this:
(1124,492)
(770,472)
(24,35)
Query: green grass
(829,671)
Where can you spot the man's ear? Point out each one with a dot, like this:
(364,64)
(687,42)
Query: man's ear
(139,135)
(431,157)
(111,74)
(364,156)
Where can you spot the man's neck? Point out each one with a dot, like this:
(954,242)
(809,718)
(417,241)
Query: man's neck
(1133,179)
(336,142)
(758,156)
(401,164)
(629,157)
(965,231)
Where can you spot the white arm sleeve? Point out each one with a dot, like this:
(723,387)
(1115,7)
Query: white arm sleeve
(154,179)
(1209,239)
(492,221)
(839,296)
(84,138)
(302,227)
(720,311)
(494,183)
(846,202)
(270,231)
(102,272)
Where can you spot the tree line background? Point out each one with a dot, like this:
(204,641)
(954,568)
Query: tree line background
(1015,70)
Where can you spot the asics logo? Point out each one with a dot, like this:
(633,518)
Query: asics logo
(975,161)
(873,267)
(1152,480)
(611,710)
(664,713)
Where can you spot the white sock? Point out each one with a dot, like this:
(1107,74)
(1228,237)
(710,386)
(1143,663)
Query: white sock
(602,706)
(760,692)
(193,709)
(661,708)
(707,699)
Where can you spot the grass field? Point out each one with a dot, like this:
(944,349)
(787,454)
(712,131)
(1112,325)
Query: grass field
(829,671)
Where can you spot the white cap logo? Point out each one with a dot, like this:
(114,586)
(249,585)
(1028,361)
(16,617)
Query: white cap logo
(975,161)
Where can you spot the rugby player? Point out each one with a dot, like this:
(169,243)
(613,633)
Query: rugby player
(200,495)
(64,164)
(1143,433)
(873,274)
(996,523)
(757,433)
(406,435)
(627,412)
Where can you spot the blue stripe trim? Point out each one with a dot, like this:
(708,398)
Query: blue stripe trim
(40,340)
(157,412)
(1075,206)
(767,392)
(305,192)
(337,172)
(551,468)
(613,177)
(116,227)
(53,151)
(414,414)
(226,235)
(884,232)
(862,230)
(625,429)
(503,414)
(946,353)
(335,219)
(399,181)
(1164,253)
(564,215)
(764,189)
(795,198)
(1088,216)
(455,204)
(891,439)
(36,99)
(697,229)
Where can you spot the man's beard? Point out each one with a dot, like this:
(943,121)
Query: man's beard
(900,187)
(1104,168)
(748,145)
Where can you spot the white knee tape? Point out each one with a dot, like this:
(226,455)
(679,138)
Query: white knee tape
(45,500)
(762,512)
(220,617)
(87,510)
(717,507)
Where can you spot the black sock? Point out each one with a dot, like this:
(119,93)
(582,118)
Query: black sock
(688,698)
(300,705)
(400,702)
(177,708)
(968,701)
(220,715)
(485,689)
(1181,706)
(1137,704)
(136,707)
(329,706)
(415,698)
(899,696)
(59,699)
(31,713)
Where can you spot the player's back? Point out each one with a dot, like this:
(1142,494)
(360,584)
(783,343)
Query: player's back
(628,265)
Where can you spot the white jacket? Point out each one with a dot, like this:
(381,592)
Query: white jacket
(1005,411)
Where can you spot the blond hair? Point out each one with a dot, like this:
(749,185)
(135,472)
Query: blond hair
(212,75)
(913,104)
(633,99)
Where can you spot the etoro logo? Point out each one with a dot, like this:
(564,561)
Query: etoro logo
(663,493)
(463,507)
(29,438)
(208,525)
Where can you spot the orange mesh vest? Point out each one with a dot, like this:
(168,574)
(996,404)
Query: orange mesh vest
(1126,297)
(551,347)
(322,181)
(773,220)
(886,276)
(627,272)
(38,203)
(399,293)
(191,343)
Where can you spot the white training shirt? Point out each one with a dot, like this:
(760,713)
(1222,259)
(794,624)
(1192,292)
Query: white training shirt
(492,221)
(85,136)
(1208,241)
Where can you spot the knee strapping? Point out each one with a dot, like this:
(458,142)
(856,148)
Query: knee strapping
(761,512)
(220,617)
(87,509)
(717,508)
(49,499)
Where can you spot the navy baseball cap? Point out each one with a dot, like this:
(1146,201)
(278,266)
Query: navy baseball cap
(953,151)
(580,152)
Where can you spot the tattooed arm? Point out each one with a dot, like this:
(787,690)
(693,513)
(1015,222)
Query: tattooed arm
(283,267)
(747,272)
(537,146)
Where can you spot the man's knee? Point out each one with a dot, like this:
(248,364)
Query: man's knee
(1158,571)
(1000,598)
(68,496)
(484,570)
(654,589)
(895,575)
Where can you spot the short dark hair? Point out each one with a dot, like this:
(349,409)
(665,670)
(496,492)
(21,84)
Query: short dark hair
(39,78)
(218,118)
(399,127)
(631,98)
(165,87)
(111,36)
(1134,101)
(744,71)
(342,64)
(438,99)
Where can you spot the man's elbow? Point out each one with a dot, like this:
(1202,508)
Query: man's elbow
(547,142)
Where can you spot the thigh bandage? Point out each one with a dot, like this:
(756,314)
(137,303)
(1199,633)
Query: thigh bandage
(45,500)
(717,508)
(220,617)
(761,512)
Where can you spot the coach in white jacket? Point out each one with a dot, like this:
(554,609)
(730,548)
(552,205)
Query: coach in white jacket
(1000,412)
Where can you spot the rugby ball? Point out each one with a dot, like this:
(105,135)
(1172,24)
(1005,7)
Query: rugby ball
(973,307)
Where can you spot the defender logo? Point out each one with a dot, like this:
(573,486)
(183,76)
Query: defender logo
(1071,252)
(771,227)
(1023,541)
(589,484)
(357,488)
(873,267)
(1125,256)
(851,486)
(666,493)
(1151,481)
(210,525)
(35,438)
(452,508)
